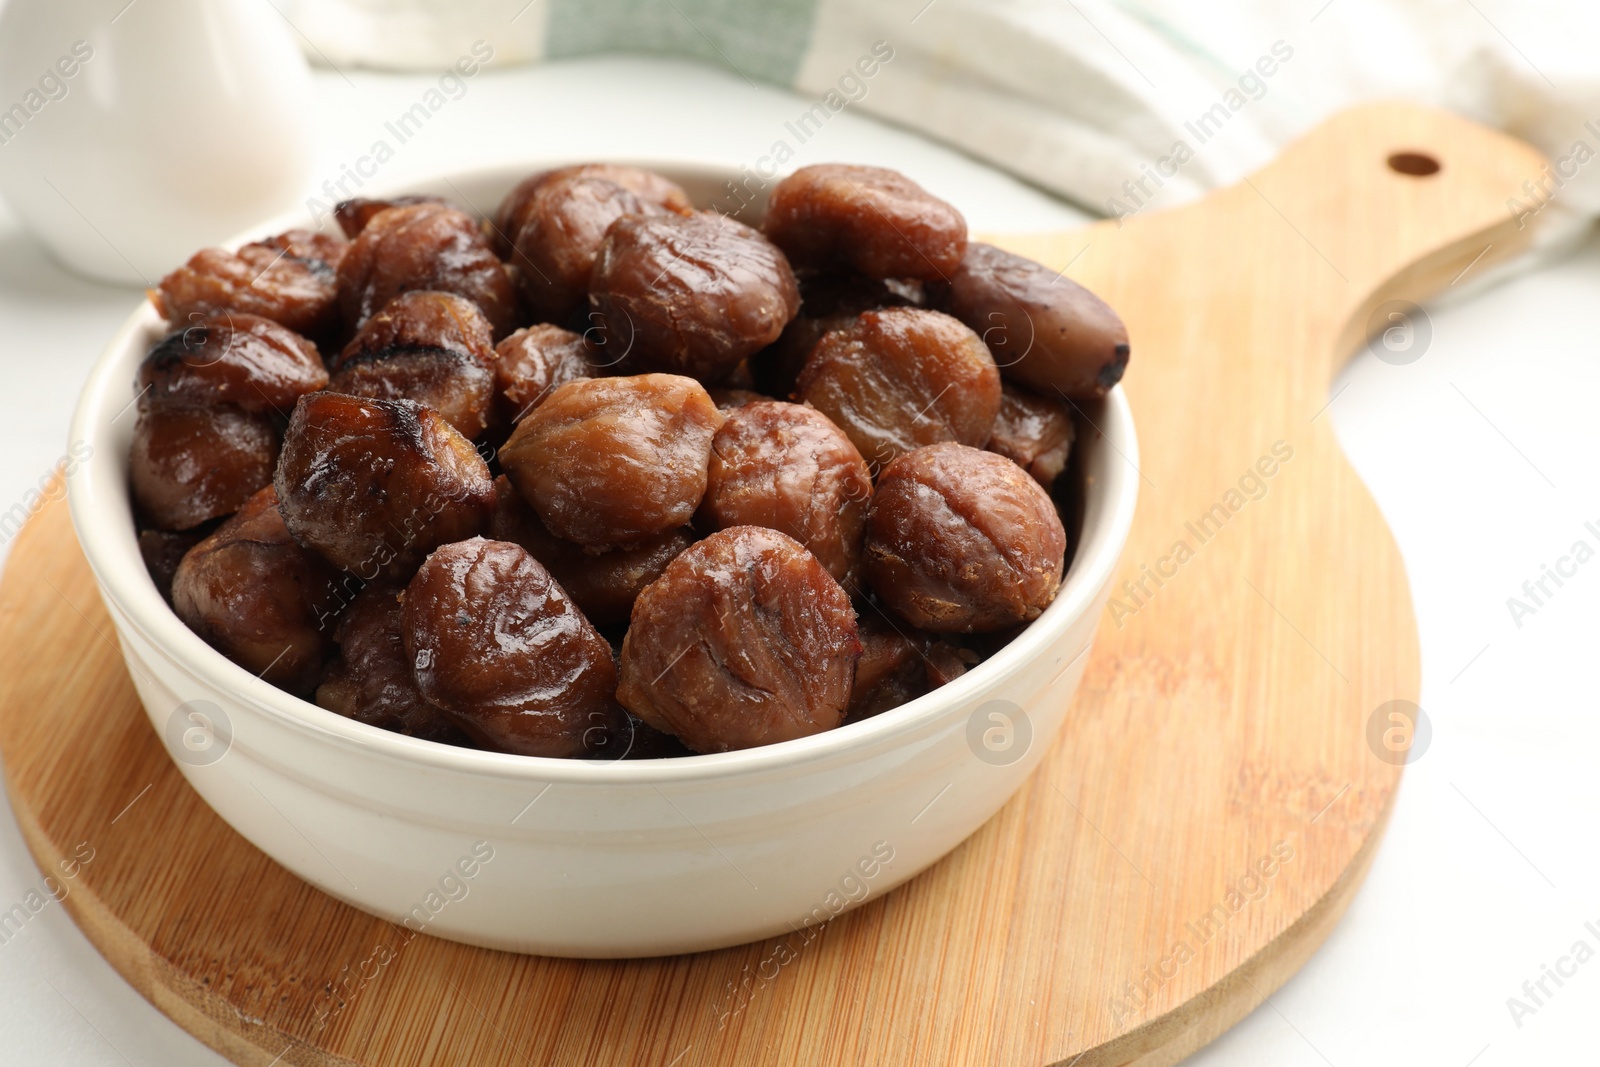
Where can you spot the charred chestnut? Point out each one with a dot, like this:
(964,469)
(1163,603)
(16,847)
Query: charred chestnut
(373,486)
(430,347)
(291,279)
(233,358)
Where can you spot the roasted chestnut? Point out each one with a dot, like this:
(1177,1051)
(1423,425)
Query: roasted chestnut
(373,486)
(962,540)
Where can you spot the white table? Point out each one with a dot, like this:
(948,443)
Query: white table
(1482,455)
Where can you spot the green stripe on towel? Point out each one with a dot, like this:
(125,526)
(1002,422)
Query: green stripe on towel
(762,42)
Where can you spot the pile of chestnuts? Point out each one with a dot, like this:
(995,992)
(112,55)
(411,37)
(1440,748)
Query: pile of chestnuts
(605,476)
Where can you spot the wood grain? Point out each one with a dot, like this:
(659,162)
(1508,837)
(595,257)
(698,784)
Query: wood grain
(1223,717)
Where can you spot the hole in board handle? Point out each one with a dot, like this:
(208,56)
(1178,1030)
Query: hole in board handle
(1413,164)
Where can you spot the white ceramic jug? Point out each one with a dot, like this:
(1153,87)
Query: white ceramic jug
(132,134)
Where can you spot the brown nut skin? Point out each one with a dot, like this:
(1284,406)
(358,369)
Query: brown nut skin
(555,226)
(690,294)
(649,186)
(373,486)
(371,680)
(434,348)
(424,246)
(828,301)
(190,463)
(1046,331)
(354,214)
(614,461)
(899,378)
(788,468)
(233,358)
(605,583)
(258,598)
(291,279)
(744,640)
(495,642)
(1034,432)
(961,540)
(532,362)
(869,219)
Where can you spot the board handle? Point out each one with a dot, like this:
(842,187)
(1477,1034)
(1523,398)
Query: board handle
(1388,201)
(1436,199)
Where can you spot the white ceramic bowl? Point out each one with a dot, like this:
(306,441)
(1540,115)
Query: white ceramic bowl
(579,858)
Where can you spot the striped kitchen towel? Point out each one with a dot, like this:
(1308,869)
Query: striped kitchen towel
(1118,106)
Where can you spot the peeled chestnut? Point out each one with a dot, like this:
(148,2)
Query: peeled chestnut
(496,642)
(1034,432)
(960,540)
(898,378)
(248,361)
(788,468)
(868,219)
(690,294)
(192,462)
(162,551)
(429,245)
(259,598)
(371,679)
(744,640)
(291,279)
(532,362)
(828,301)
(554,223)
(899,664)
(434,348)
(1046,331)
(375,485)
(614,461)
(354,214)
(516,209)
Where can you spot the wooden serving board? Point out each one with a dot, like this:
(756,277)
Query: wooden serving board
(1191,838)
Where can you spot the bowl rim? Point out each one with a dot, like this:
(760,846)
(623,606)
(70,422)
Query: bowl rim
(105,529)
